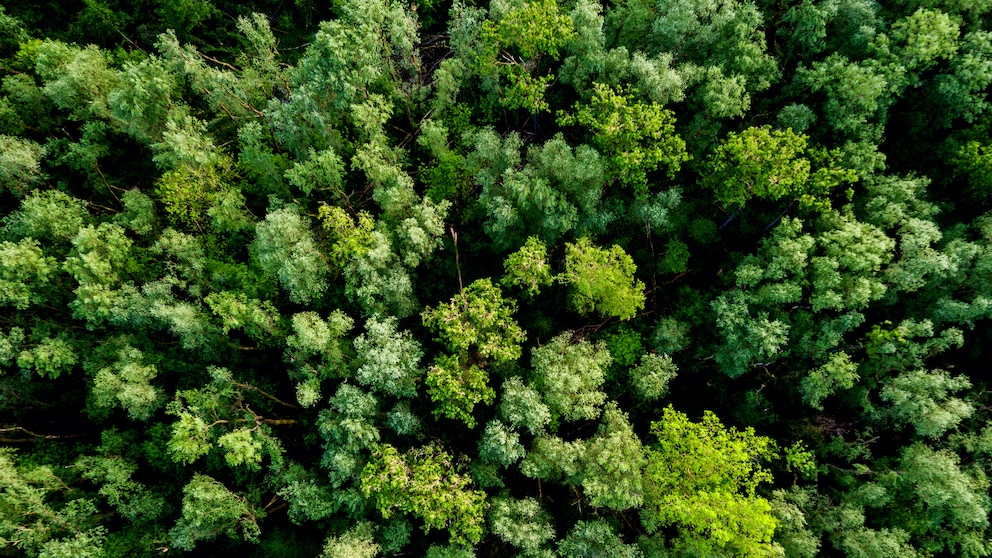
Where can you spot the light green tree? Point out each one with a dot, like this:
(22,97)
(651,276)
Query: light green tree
(24,271)
(34,520)
(569,376)
(356,542)
(528,267)
(456,387)
(588,539)
(211,509)
(522,523)
(388,358)
(602,280)
(20,165)
(478,320)
(127,384)
(424,483)
(637,138)
(285,247)
(521,405)
(772,164)
(702,478)
(651,376)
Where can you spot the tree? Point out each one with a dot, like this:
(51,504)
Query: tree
(24,270)
(456,387)
(127,383)
(522,523)
(388,358)
(613,463)
(500,444)
(602,280)
(951,506)
(349,431)
(596,538)
(353,543)
(769,164)
(569,377)
(702,477)
(210,509)
(528,267)
(47,215)
(521,406)
(637,138)
(423,482)
(559,188)
(478,319)
(650,378)
(20,165)
(530,31)
(923,398)
(32,519)
(99,261)
(285,248)
(855,94)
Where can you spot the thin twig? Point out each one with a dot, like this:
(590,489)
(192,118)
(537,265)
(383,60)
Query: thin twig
(454,236)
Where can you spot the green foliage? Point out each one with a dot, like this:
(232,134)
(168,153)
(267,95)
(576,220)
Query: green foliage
(521,523)
(769,164)
(956,502)
(34,521)
(259,319)
(188,220)
(141,103)
(530,31)
(24,269)
(478,319)
(350,239)
(189,191)
(354,543)
(77,80)
(210,509)
(389,358)
(975,160)
(650,378)
(854,93)
(602,280)
(637,138)
(48,215)
(703,477)
(624,345)
(528,267)
(596,538)
(612,464)
(456,388)
(558,190)
(127,383)
(139,214)
(20,165)
(923,398)
(423,482)
(377,281)
(320,172)
(500,444)
(285,248)
(349,430)
(837,373)
(521,405)
(569,377)
(312,335)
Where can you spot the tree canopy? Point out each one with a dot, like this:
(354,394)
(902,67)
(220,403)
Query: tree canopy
(536,278)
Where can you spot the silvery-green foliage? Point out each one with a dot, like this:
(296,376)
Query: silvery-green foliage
(389,358)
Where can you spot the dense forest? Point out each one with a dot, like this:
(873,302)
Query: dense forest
(457,278)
